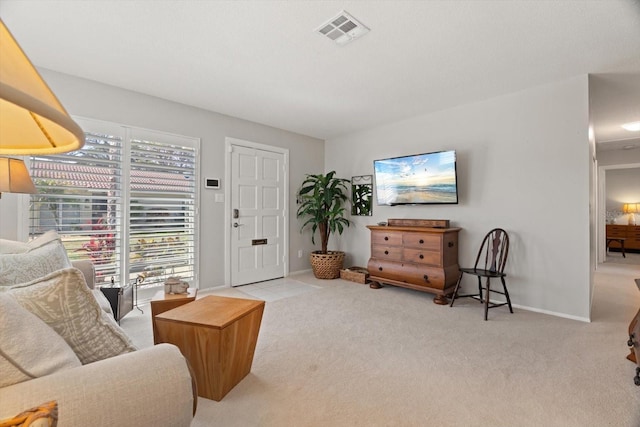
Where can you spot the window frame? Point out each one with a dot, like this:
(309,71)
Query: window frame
(128,134)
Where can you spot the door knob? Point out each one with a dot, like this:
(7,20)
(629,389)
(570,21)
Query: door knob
(236,225)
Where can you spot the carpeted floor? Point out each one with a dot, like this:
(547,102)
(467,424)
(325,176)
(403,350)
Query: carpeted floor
(347,355)
(630,258)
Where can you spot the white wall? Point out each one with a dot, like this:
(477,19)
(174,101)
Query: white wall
(523,165)
(94,100)
(618,157)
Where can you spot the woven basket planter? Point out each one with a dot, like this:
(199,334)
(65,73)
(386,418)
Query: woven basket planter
(327,266)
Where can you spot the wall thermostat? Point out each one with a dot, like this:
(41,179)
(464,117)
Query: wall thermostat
(212,183)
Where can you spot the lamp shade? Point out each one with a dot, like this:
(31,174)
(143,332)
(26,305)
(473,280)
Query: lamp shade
(14,177)
(32,120)
(631,208)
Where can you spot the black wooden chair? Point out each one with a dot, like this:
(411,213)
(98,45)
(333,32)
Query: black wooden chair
(492,257)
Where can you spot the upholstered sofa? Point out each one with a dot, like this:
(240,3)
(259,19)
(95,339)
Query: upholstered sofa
(128,387)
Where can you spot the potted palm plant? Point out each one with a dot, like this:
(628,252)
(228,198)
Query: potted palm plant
(322,198)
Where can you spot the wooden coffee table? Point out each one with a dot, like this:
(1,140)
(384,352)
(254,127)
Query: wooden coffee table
(162,302)
(218,336)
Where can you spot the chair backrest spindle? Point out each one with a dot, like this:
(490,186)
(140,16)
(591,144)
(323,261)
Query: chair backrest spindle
(495,248)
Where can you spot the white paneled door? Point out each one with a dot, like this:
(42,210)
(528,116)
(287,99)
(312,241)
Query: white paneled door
(257,217)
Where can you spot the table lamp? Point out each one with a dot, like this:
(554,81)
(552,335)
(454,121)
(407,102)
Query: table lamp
(632,209)
(32,120)
(14,177)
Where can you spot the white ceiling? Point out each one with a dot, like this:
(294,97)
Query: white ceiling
(262,61)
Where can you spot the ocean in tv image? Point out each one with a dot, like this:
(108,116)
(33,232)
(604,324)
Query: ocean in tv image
(423,178)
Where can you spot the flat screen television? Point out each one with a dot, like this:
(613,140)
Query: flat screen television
(429,178)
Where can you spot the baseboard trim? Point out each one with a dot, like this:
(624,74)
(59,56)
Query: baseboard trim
(296,273)
(552,313)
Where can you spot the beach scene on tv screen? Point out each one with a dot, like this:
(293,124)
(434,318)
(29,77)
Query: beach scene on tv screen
(424,178)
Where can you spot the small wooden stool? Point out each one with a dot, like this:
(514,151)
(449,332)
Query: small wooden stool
(218,336)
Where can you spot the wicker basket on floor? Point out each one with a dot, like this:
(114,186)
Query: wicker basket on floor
(327,266)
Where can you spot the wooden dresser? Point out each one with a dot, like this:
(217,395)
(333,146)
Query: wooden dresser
(415,257)
(631,234)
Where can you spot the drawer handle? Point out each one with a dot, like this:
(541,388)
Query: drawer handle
(426,278)
(380,268)
(386,252)
(386,238)
(450,244)
(421,256)
(421,241)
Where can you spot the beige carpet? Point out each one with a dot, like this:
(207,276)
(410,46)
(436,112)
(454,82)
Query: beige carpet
(347,355)
(631,258)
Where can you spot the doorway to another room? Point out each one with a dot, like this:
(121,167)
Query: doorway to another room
(620,185)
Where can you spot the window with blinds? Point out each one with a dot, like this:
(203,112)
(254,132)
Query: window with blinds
(162,210)
(126,201)
(80,196)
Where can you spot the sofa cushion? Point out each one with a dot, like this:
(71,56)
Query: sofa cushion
(63,301)
(88,270)
(102,301)
(28,347)
(43,256)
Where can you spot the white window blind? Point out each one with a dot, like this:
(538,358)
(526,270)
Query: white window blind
(162,209)
(80,196)
(127,201)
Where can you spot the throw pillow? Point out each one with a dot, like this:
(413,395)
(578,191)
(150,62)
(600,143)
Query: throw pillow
(28,347)
(45,415)
(12,247)
(65,303)
(43,239)
(16,247)
(38,261)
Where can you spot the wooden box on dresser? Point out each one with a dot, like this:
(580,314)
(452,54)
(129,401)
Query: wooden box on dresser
(416,257)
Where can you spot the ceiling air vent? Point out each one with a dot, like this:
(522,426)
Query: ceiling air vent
(342,28)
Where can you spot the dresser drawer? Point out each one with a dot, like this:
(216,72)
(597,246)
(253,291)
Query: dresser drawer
(616,231)
(416,274)
(386,238)
(422,256)
(422,240)
(391,253)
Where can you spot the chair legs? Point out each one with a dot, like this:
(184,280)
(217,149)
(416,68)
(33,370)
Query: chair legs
(506,294)
(455,291)
(484,298)
(486,301)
